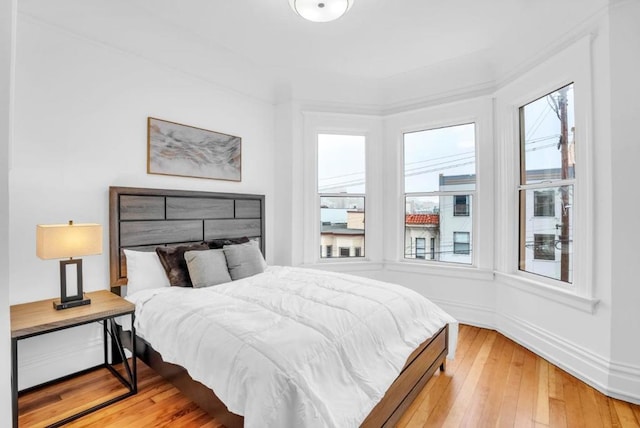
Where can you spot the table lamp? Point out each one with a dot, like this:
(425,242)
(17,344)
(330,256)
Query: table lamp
(57,241)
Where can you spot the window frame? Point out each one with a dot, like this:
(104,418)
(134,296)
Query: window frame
(319,195)
(538,187)
(448,193)
(306,217)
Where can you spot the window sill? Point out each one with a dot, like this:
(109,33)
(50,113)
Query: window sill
(559,295)
(456,271)
(345,265)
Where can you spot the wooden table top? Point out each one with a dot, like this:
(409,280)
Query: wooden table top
(29,319)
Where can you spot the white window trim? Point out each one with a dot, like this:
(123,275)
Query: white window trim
(316,123)
(573,65)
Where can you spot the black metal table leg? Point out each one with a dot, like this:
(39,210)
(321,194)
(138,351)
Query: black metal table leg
(133,350)
(14,380)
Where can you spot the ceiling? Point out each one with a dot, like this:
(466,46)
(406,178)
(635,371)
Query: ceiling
(376,40)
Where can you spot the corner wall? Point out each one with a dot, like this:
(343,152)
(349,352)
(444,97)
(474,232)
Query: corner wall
(597,345)
(625,141)
(7,44)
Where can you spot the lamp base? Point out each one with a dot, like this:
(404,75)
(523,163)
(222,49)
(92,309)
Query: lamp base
(57,304)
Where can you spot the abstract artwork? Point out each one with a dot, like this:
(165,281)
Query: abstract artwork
(176,149)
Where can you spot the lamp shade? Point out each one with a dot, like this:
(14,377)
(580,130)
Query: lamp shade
(321,10)
(57,241)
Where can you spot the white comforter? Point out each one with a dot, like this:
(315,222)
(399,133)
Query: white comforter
(291,347)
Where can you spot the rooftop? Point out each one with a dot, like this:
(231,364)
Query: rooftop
(432,219)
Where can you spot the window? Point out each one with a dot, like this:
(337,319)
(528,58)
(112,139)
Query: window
(329,251)
(461,243)
(439,184)
(433,248)
(341,192)
(544,203)
(461,205)
(545,247)
(547,180)
(420,248)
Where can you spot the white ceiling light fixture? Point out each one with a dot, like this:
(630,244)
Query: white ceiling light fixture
(321,10)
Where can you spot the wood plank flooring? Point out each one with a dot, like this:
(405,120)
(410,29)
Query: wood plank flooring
(492,382)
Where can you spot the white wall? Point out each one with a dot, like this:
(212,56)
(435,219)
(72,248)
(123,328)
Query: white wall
(80,127)
(7,44)
(625,140)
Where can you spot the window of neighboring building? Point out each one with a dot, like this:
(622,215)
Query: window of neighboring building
(433,248)
(544,203)
(547,180)
(341,192)
(329,251)
(461,205)
(420,248)
(358,251)
(461,243)
(545,247)
(439,185)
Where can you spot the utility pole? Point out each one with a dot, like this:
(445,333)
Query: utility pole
(564,151)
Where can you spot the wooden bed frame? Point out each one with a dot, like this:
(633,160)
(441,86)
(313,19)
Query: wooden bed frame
(143,219)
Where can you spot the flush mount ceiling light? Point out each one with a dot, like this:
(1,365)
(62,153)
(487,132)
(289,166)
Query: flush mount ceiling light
(321,10)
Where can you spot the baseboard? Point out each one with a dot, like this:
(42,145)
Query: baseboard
(624,378)
(466,313)
(44,358)
(612,379)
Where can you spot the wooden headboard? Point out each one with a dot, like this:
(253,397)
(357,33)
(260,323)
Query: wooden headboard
(143,219)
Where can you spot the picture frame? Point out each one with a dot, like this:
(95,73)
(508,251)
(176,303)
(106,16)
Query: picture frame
(188,151)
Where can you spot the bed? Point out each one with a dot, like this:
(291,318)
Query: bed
(143,219)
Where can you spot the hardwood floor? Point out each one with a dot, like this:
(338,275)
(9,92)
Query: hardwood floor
(491,382)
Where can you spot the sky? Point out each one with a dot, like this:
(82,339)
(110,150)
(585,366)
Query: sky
(447,150)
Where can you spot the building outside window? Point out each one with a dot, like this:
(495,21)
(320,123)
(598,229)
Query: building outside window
(341,194)
(547,181)
(439,185)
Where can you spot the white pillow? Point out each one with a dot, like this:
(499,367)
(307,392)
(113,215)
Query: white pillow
(207,268)
(144,271)
(244,260)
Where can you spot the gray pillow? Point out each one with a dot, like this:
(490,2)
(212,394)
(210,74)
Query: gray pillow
(244,260)
(207,268)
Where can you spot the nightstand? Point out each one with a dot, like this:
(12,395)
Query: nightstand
(37,318)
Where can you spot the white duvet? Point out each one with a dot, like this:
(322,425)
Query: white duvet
(291,347)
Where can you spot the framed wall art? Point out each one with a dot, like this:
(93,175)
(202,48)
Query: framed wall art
(176,149)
